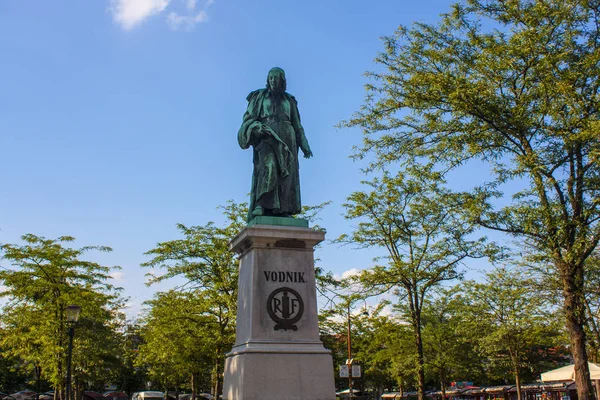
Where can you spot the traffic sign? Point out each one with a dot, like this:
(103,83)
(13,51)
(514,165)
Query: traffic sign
(344,373)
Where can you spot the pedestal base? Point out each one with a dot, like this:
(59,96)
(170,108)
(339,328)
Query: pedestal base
(279,376)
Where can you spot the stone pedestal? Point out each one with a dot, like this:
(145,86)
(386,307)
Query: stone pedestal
(277,353)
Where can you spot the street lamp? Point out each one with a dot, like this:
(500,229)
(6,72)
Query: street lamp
(349,362)
(72,313)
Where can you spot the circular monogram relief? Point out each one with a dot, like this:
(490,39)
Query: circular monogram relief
(285,307)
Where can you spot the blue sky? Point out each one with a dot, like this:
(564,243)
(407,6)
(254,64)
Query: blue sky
(118,119)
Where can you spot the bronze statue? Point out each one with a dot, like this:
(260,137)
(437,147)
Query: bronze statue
(272,127)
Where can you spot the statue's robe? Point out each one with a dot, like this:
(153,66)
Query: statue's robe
(275,178)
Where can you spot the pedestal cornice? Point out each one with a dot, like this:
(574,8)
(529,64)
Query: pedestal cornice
(288,237)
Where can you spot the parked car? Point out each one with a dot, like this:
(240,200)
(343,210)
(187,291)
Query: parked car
(199,396)
(24,395)
(49,395)
(90,395)
(356,395)
(148,395)
(115,395)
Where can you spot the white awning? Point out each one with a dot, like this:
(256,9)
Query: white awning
(567,373)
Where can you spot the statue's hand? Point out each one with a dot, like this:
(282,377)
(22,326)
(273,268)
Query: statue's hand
(307,153)
(260,133)
(305,147)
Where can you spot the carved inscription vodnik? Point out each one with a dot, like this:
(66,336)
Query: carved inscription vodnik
(287,277)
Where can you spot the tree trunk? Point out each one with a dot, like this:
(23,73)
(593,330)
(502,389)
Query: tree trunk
(217,381)
(38,375)
(518,383)
(443,380)
(443,391)
(415,316)
(420,361)
(574,307)
(194,385)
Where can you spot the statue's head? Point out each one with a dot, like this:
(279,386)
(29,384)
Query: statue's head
(276,82)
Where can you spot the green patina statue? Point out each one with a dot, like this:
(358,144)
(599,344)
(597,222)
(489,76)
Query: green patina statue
(272,127)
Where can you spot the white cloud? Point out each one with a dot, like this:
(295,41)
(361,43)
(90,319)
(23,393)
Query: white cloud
(117,276)
(130,13)
(350,272)
(192,17)
(187,22)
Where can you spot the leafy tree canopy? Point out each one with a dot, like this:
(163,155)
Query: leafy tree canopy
(515,85)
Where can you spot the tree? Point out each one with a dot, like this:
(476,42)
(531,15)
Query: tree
(210,270)
(512,325)
(130,377)
(383,345)
(13,372)
(97,348)
(380,344)
(178,340)
(448,346)
(45,277)
(514,85)
(416,225)
(395,338)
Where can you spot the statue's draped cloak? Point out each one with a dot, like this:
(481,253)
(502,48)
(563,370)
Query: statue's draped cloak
(275,177)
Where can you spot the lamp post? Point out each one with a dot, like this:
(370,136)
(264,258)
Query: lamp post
(72,313)
(349,362)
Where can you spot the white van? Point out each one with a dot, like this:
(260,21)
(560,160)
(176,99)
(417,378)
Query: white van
(150,395)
